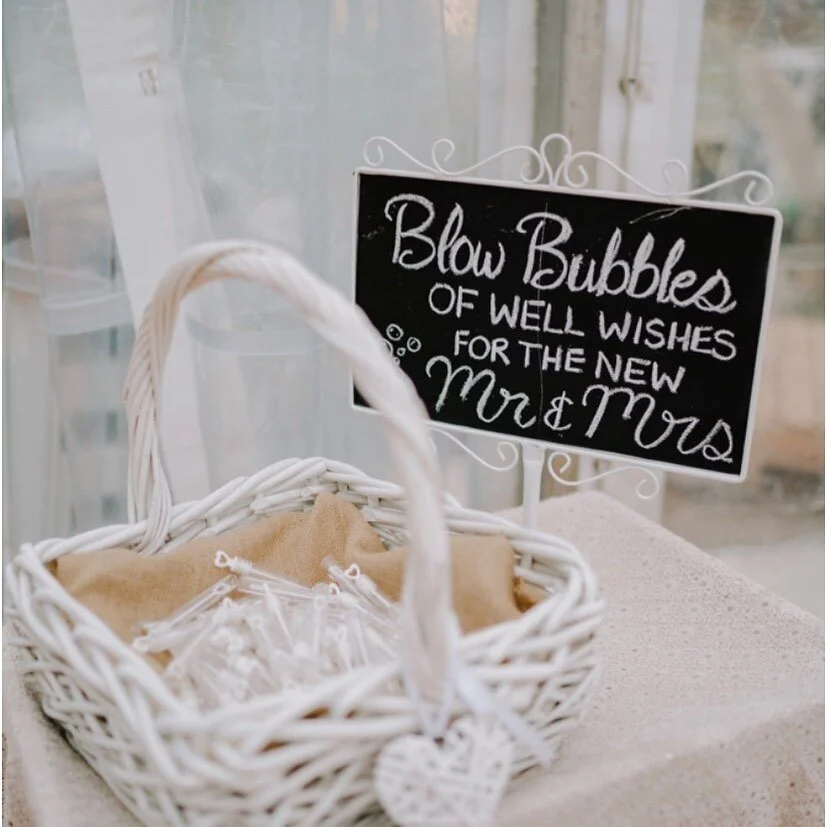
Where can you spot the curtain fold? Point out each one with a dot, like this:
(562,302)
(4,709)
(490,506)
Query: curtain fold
(153,124)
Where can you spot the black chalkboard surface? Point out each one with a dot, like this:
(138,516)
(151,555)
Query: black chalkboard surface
(609,324)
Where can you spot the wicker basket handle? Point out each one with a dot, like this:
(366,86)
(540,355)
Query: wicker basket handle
(427,612)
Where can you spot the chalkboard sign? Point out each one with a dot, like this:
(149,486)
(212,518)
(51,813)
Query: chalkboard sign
(614,325)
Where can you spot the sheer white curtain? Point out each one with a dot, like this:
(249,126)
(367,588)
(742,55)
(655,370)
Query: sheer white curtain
(279,99)
(150,125)
(69,327)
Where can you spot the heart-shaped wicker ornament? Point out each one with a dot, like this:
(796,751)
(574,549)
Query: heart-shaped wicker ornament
(458,783)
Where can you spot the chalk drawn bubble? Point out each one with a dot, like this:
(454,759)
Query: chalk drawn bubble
(396,344)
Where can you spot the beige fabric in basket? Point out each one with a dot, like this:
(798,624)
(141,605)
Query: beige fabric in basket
(125,589)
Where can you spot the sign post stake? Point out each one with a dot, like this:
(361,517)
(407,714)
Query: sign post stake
(533,460)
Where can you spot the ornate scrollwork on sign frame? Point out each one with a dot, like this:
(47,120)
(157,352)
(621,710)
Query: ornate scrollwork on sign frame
(568,173)
(508,452)
(647,488)
(571,173)
(443,150)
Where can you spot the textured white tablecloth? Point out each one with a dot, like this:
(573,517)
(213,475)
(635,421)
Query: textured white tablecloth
(710,712)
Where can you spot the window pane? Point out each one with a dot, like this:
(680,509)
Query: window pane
(761,106)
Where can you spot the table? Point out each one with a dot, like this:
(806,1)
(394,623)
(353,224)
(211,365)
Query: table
(710,711)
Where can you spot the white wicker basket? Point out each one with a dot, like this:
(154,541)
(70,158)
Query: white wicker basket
(172,766)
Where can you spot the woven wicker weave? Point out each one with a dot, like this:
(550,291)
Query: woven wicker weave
(303,759)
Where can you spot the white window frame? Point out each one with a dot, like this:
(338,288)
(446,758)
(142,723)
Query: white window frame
(651,60)
(155,203)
